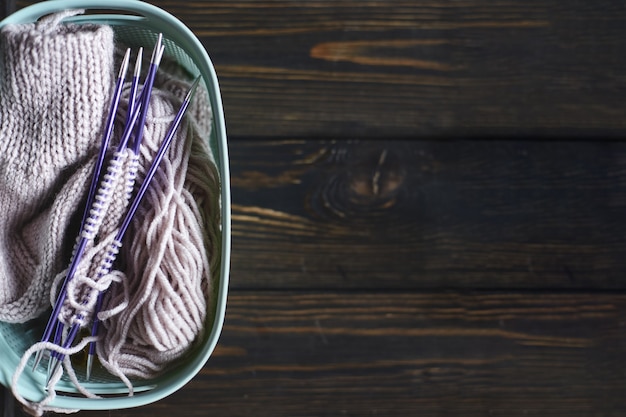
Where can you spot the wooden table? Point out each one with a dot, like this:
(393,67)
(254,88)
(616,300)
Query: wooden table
(429,209)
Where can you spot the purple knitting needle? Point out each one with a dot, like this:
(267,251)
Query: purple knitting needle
(134,86)
(132,210)
(138,112)
(108,130)
(57,340)
(131,107)
(107,135)
(157,55)
(130,122)
(82,243)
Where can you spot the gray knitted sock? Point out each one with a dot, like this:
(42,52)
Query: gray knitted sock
(55,83)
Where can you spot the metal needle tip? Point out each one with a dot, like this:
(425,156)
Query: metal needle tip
(89,367)
(54,368)
(193,88)
(138,62)
(157,48)
(38,358)
(124,66)
(159,55)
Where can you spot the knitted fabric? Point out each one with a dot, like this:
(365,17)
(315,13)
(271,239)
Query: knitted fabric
(55,82)
(93,271)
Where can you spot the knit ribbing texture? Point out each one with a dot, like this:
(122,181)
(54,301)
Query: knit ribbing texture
(55,81)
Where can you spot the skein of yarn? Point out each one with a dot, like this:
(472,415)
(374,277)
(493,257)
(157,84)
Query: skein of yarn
(154,315)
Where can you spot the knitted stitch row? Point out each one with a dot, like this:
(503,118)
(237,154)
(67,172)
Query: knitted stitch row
(54,84)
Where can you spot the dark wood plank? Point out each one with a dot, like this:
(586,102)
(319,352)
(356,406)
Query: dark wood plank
(428,214)
(405,68)
(501,354)
(7,7)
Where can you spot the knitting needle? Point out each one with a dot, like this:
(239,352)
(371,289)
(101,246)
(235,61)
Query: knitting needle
(56,358)
(158,157)
(57,340)
(132,95)
(134,85)
(96,321)
(130,122)
(128,130)
(108,130)
(141,104)
(135,204)
(157,54)
(144,99)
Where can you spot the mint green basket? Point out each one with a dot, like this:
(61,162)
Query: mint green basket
(136,24)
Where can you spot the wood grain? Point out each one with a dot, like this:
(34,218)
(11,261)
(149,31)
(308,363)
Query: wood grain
(405,68)
(363,354)
(428,214)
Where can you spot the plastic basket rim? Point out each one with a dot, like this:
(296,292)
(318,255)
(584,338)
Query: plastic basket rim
(151,16)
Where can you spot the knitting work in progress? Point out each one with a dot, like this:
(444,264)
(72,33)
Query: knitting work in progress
(133,280)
